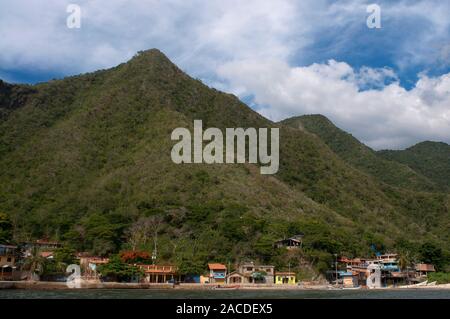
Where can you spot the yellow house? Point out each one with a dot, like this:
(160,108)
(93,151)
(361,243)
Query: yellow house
(285,278)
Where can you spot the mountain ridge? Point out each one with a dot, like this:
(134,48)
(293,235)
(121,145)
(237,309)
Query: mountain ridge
(429,158)
(361,156)
(83,158)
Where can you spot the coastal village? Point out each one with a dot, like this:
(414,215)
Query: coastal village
(21,263)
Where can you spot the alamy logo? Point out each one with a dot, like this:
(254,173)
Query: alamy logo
(237,150)
(374,19)
(74,279)
(74,19)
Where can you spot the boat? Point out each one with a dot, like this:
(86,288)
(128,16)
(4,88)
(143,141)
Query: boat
(420,284)
(352,288)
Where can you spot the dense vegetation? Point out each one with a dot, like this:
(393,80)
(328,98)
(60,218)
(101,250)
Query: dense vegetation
(86,160)
(431,159)
(361,156)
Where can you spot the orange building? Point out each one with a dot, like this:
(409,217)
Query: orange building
(217,273)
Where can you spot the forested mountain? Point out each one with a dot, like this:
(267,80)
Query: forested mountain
(85,158)
(431,159)
(361,156)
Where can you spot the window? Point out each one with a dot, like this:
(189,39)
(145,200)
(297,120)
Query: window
(8,259)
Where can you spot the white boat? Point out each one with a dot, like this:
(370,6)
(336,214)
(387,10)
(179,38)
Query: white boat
(420,284)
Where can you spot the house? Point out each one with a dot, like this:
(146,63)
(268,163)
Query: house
(249,273)
(89,264)
(422,270)
(285,278)
(217,273)
(290,243)
(349,279)
(41,245)
(236,277)
(388,262)
(158,274)
(8,254)
(47,244)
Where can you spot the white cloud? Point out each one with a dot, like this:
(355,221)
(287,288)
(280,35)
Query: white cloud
(386,117)
(197,34)
(253,48)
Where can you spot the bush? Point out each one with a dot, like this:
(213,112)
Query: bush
(440,277)
(119,270)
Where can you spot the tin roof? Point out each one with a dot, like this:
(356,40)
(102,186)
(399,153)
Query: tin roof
(157,269)
(285,273)
(425,267)
(215,266)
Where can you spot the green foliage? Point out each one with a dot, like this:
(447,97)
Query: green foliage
(64,256)
(430,253)
(323,261)
(431,159)
(35,263)
(83,158)
(119,270)
(360,156)
(264,247)
(5,228)
(98,233)
(191,266)
(440,277)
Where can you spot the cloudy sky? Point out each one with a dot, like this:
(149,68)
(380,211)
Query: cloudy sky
(389,87)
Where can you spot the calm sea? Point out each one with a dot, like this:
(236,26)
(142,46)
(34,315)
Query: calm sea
(232,294)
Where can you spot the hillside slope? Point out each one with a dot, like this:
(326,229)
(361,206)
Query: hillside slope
(83,158)
(361,156)
(431,159)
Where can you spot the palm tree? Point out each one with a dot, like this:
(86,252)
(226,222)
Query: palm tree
(34,263)
(404,261)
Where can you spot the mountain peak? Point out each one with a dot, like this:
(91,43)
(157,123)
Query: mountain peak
(150,64)
(301,122)
(153,53)
(428,145)
(153,56)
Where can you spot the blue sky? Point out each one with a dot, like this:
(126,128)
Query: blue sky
(389,87)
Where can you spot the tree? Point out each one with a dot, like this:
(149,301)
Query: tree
(430,253)
(135,257)
(404,260)
(64,257)
(143,229)
(34,263)
(119,270)
(138,233)
(190,266)
(5,228)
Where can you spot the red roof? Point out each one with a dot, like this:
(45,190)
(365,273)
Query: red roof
(217,266)
(425,267)
(157,269)
(47,242)
(46,254)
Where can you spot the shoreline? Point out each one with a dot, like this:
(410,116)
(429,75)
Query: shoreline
(42,285)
